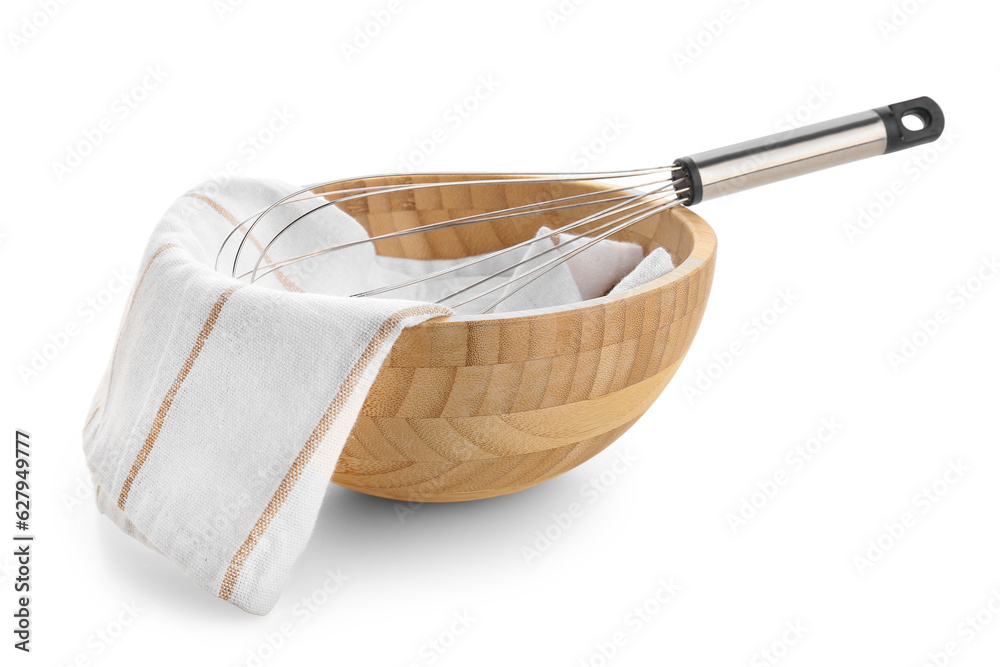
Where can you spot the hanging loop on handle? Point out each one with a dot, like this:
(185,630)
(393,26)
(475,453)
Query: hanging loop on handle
(923,111)
(811,148)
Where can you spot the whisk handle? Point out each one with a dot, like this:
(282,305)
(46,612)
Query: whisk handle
(811,148)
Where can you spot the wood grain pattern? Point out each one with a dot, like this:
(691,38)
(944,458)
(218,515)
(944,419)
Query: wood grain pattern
(471,407)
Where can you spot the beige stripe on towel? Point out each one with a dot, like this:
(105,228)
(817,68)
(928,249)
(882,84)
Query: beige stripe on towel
(168,400)
(298,465)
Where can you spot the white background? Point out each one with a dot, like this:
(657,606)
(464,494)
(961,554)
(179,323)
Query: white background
(558,85)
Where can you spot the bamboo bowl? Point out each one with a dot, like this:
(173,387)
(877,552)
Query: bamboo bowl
(469,407)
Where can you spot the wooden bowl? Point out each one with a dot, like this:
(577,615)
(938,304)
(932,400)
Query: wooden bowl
(469,407)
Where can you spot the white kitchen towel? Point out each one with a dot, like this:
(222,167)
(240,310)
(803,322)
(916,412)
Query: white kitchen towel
(655,264)
(486,279)
(585,275)
(225,406)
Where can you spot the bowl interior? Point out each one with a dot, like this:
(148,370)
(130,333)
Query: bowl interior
(406,209)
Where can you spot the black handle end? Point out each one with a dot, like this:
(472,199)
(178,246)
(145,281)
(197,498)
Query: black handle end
(923,111)
(692,179)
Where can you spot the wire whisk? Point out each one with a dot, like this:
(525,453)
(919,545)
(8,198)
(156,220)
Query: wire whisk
(628,198)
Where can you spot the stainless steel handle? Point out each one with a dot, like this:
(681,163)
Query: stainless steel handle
(807,149)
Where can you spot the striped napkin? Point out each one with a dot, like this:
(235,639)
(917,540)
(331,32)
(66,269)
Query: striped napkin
(224,409)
